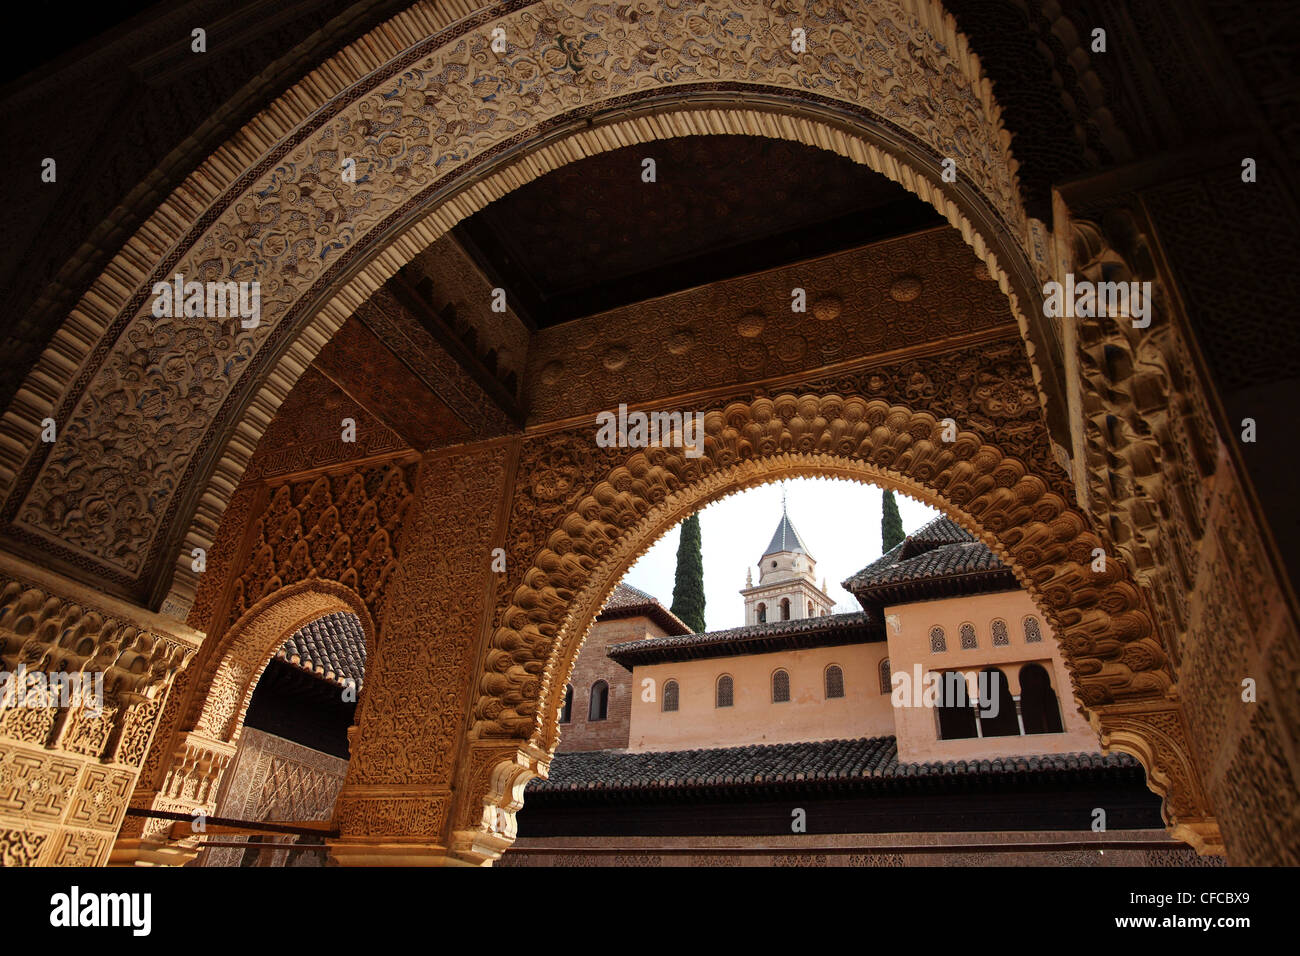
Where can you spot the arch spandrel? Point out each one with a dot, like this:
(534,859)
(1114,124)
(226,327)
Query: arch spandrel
(229,675)
(418,138)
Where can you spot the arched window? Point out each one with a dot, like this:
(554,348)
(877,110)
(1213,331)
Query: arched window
(599,701)
(566,712)
(724,691)
(967,632)
(810,609)
(1032,633)
(1000,638)
(762,613)
(785,609)
(1039,708)
(886,677)
(997,707)
(834,682)
(780,687)
(956,715)
(938,644)
(670,695)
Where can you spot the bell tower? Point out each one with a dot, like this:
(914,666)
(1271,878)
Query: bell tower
(787,580)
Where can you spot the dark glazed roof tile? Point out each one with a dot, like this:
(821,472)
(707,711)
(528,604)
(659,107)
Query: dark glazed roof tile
(785,538)
(939,559)
(834,629)
(862,759)
(332,647)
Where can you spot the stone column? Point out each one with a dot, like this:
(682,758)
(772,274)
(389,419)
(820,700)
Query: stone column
(395,807)
(67,772)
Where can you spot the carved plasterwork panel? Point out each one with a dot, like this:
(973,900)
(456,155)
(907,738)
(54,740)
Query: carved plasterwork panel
(278,780)
(416,683)
(66,772)
(877,299)
(154,399)
(1165,493)
(333,527)
(611,513)
(582,514)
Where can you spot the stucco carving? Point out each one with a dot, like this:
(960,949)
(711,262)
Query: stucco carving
(582,515)
(66,772)
(416,698)
(338,527)
(900,69)
(743,330)
(1165,492)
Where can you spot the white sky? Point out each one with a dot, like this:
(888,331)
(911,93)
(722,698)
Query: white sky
(839,521)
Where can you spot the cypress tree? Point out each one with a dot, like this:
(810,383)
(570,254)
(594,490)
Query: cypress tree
(891,522)
(688,586)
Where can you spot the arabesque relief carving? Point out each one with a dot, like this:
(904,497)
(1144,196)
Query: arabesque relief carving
(880,298)
(335,527)
(901,69)
(581,515)
(1114,653)
(1164,491)
(199,734)
(419,680)
(66,771)
(318,544)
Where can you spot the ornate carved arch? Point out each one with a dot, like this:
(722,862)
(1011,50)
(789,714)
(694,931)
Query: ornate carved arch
(1113,653)
(909,94)
(225,684)
(198,736)
(1103,625)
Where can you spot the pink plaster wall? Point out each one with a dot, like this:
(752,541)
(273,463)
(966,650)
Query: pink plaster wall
(908,632)
(754,719)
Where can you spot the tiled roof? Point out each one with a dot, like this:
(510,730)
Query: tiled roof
(870,762)
(332,647)
(942,530)
(627,601)
(785,538)
(833,630)
(939,559)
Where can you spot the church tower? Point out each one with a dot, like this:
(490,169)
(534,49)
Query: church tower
(787,581)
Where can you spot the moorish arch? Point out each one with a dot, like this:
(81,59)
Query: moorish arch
(895,86)
(1119,668)
(199,734)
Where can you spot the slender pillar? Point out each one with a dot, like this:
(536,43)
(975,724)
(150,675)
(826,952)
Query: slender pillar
(395,807)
